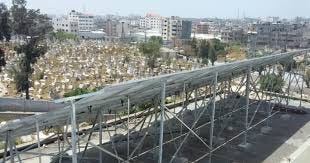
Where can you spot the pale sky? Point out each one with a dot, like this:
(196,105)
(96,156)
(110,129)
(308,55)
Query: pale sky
(183,8)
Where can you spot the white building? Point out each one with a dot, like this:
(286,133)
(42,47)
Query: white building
(171,28)
(85,21)
(151,22)
(63,24)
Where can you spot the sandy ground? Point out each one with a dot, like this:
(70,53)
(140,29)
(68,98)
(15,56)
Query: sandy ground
(2,90)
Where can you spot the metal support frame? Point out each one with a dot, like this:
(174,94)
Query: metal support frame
(100,135)
(73,133)
(212,116)
(128,127)
(162,112)
(248,80)
(38,139)
(164,134)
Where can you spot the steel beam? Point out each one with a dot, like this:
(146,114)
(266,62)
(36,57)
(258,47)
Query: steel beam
(212,115)
(162,112)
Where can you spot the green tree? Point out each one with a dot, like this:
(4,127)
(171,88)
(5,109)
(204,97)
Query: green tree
(219,47)
(194,45)
(151,50)
(271,82)
(19,17)
(38,24)
(35,25)
(212,53)
(28,22)
(204,51)
(31,51)
(5,29)
(2,59)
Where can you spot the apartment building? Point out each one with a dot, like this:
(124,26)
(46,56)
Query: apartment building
(151,22)
(279,35)
(171,28)
(85,21)
(234,35)
(109,27)
(202,28)
(114,28)
(186,30)
(74,22)
(63,24)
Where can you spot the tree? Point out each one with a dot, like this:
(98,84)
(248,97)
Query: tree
(307,78)
(5,29)
(151,50)
(219,47)
(212,53)
(271,82)
(20,23)
(203,51)
(28,22)
(194,45)
(31,51)
(34,25)
(156,39)
(38,24)
(2,59)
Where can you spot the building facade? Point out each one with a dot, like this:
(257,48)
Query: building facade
(110,27)
(171,28)
(63,24)
(234,35)
(85,21)
(202,28)
(151,22)
(115,28)
(279,35)
(186,30)
(74,23)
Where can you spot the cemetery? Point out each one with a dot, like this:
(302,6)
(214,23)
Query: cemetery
(87,64)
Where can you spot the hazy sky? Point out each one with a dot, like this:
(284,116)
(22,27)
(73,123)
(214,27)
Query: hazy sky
(183,8)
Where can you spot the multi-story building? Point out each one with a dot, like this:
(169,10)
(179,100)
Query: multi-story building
(63,24)
(234,35)
(151,22)
(110,27)
(172,28)
(279,35)
(114,28)
(202,28)
(85,21)
(123,29)
(186,30)
(74,22)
